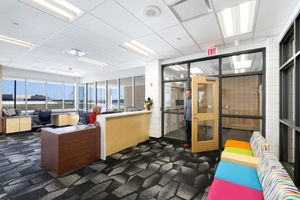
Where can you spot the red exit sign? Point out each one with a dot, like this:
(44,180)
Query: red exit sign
(212,51)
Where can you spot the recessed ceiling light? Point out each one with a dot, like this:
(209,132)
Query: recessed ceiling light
(94,62)
(238,19)
(58,8)
(151,11)
(139,48)
(76,52)
(15,41)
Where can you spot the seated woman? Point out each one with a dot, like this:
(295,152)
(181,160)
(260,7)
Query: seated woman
(93,116)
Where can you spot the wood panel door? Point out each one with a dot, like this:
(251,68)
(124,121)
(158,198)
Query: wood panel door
(205,112)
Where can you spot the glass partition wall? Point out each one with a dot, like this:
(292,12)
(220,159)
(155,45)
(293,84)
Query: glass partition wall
(241,99)
(117,95)
(290,100)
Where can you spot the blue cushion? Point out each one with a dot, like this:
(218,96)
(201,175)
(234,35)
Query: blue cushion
(238,174)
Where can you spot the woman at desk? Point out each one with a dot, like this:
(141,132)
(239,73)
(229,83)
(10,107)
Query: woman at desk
(93,116)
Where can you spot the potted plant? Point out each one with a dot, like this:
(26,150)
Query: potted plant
(148,104)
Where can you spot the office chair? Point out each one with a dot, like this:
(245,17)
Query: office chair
(44,118)
(81,116)
(87,117)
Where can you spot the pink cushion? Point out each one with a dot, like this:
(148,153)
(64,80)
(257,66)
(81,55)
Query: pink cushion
(224,190)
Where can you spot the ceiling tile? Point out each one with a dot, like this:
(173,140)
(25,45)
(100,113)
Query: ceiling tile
(31,15)
(176,36)
(19,29)
(86,5)
(158,45)
(100,30)
(204,29)
(268,20)
(220,5)
(190,9)
(164,20)
(114,15)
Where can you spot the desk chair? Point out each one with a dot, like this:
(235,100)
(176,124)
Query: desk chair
(81,116)
(87,117)
(44,118)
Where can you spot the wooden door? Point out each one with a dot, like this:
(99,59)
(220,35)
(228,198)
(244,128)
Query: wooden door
(205,112)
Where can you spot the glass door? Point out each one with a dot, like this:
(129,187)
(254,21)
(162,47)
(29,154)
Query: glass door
(205,122)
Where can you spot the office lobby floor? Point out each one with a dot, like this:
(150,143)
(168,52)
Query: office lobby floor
(152,170)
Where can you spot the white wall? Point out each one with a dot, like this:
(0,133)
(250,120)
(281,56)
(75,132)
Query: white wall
(138,71)
(26,74)
(272,94)
(153,90)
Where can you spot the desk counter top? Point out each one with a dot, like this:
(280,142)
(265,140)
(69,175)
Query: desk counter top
(69,129)
(123,114)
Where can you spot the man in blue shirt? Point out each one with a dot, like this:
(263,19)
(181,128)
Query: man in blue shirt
(188,118)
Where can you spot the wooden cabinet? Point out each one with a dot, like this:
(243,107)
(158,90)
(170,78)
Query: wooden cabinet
(65,119)
(16,124)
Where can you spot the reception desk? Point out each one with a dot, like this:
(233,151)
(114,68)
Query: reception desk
(69,148)
(122,130)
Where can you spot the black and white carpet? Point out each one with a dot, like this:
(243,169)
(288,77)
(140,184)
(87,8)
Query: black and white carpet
(152,170)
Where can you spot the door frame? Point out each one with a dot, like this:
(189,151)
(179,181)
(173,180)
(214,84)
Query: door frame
(220,76)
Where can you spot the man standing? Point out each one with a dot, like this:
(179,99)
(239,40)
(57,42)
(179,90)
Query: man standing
(188,118)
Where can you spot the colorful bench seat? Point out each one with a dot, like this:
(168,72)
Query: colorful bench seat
(240,151)
(238,174)
(238,144)
(224,190)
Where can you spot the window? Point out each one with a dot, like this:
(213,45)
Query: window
(82,97)
(20,95)
(290,100)
(174,126)
(91,96)
(175,72)
(8,93)
(139,92)
(101,95)
(287,46)
(175,96)
(243,63)
(207,68)
(36,99)
(113,95)
(55,95)
(69,96)
(125,94)
(242,95)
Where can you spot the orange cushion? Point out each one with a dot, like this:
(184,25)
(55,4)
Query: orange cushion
(238,144)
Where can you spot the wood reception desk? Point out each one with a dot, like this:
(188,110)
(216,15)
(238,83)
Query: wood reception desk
(122,130)
(69,148)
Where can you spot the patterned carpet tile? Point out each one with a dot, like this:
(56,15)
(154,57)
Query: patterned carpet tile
(155,169)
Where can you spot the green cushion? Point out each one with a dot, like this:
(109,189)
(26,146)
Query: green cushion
(239,151)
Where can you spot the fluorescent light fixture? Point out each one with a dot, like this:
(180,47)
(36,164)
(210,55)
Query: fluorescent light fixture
(15,41)
(241,62)
(180,68)
(227,16)
(90,61)
(139,48)
(238,19)
(58,8)
(143,47)
(136,49)
(196,71)
(76,52)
